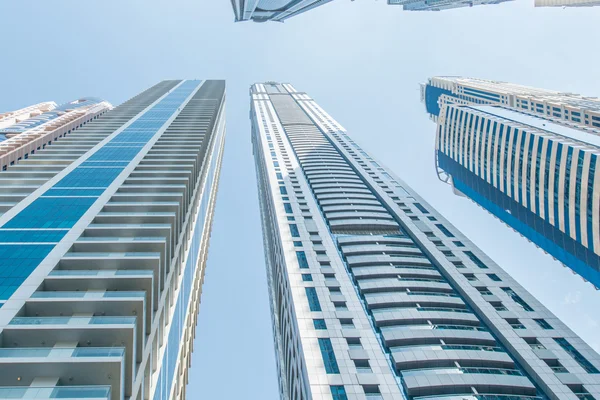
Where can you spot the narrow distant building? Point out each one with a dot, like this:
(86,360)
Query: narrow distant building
(440,5)
(374,295)
(566,3)
(103,243)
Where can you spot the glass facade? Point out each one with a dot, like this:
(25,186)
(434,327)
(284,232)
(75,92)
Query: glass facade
(113,236)
(536,175)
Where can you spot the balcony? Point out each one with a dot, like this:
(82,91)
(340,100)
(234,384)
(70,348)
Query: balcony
(81,366)
(57,392)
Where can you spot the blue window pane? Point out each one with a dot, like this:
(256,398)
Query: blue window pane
(31,236)
(331,366)
(16,264)
(294,230)
(282,190)
(421,208)
(302,261)
(73,192)
(307,278)
(89,177)
(543,323)
(476,260)
(288,208)
(577,356)
(313,299)
(444,230)
(338,393)
(319,324)
(51,212)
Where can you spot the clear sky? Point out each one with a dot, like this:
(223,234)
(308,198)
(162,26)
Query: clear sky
(362,61)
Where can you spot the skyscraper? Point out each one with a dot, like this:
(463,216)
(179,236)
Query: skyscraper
(272,10)
(103,242)
(440,5)
(566,3)
(529,158)
(567,108)
(12,117)
(33,128)
(375,295)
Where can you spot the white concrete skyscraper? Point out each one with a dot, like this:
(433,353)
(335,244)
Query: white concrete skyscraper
(272,10)
(103,242)
(375,295)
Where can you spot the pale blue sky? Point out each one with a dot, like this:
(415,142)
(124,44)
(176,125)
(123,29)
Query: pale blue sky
(362,61)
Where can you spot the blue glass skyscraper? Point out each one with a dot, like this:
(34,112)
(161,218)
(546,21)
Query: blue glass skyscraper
(103,243)
(529,157)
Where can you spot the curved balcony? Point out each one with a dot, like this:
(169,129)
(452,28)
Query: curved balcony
(362,225)
(404,316)
(405,299)
(435,382)
(394,285)
(437,356)
(329,209)
(385,271)
(415,258)
(408,336)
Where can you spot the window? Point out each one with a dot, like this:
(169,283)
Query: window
(458,244)
(282,190)
(498,306)
(302,261)
(354,343)
(279,176)
(340,305)
(515,323)
(444,230)
(297,244)
(313,299)
(581,392)
(494,277)
(577,356)
(543,324)
(294,230)
(421,208)
(338,393)
(288,208)
(517,299)
(291,218)
(347,323)
(319,324)
(476,260)
(484,291)
(372,392)
(331,366)
(556,366)
(307,278)
(471,277)
(362,366)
